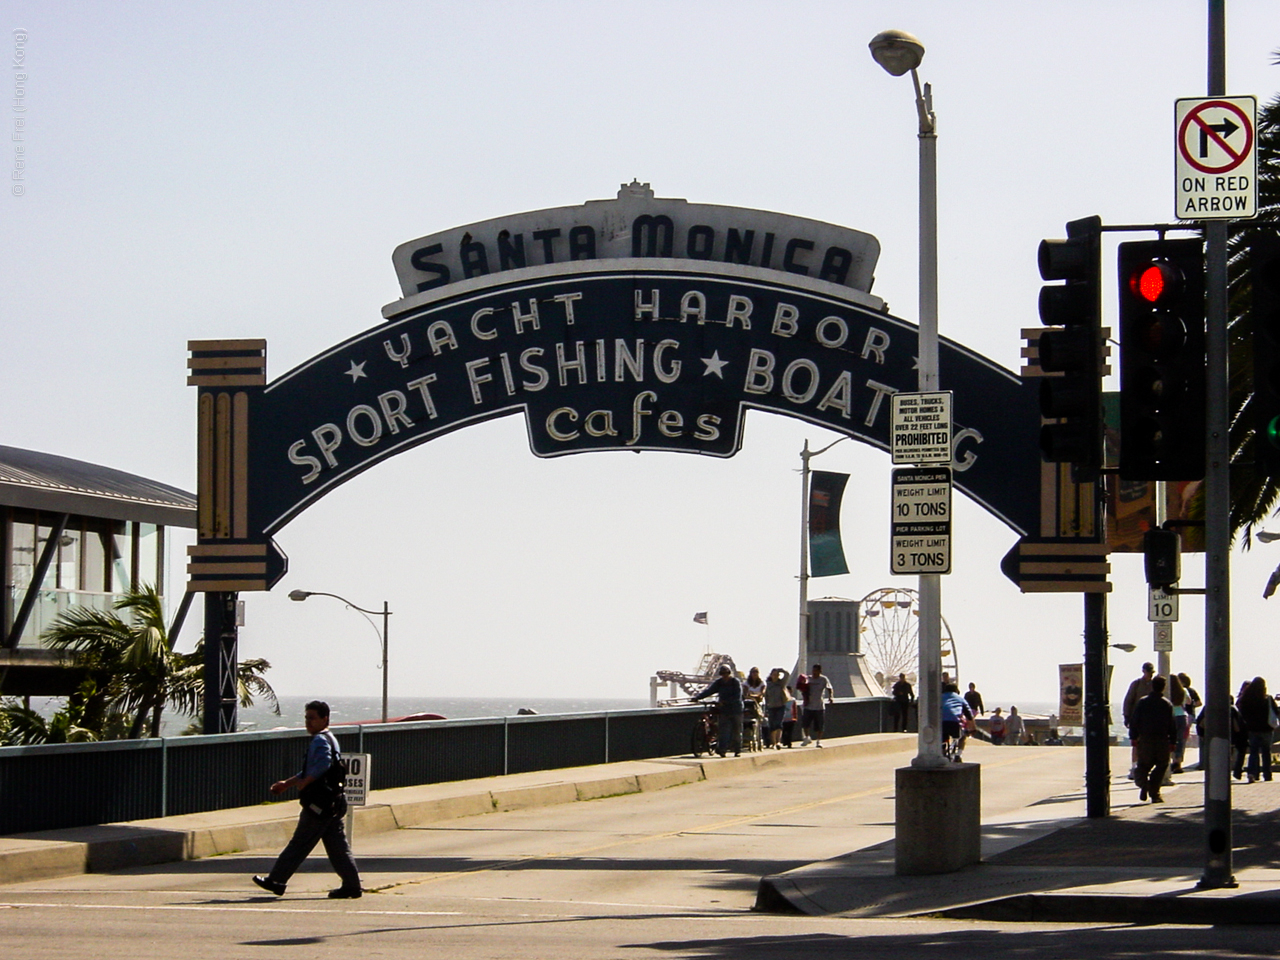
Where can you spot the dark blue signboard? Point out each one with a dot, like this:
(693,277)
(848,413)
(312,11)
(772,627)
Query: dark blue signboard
(625,355)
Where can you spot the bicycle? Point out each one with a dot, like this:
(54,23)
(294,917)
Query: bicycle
(705,738)
(953,747)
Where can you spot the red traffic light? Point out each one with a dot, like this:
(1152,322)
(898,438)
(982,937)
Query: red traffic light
(1154,281)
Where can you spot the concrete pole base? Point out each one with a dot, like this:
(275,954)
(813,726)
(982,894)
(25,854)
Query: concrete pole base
(938,818)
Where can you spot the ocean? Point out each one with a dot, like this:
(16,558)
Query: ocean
(344,709)
(350,709)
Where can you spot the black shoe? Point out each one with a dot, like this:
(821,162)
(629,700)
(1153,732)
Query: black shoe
(1142,794)
(346,893)
(270,886)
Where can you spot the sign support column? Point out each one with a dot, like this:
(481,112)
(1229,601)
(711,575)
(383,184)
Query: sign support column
(1217,654)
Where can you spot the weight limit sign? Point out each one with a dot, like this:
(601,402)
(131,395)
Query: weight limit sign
(921,528)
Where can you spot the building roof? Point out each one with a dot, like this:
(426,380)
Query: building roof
(42,481)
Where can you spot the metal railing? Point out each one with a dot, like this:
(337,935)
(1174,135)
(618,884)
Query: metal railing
(55,786)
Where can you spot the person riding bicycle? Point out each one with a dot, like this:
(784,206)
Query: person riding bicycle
(956,716)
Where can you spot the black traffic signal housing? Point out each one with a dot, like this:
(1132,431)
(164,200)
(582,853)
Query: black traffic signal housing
(1162,557)
(1264,278)
(1073,349)
(1162,360)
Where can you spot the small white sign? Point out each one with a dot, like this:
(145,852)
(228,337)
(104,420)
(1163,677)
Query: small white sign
(1163,638)
(1161,606)
(1216,158)
(357,788)
(921,528)
(920,427)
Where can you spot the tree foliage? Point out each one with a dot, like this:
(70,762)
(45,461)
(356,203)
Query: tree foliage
(135,674)
(1253,497)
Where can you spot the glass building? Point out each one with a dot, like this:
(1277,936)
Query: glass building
(73,534)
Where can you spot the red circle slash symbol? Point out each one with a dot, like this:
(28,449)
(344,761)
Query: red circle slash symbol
(1207,135)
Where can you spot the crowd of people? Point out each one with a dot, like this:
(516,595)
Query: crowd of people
(772,700)
(1160,713)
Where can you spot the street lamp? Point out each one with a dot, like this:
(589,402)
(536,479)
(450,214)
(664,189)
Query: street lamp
(1124,647)
(805,456)
(900,53)
(385,613)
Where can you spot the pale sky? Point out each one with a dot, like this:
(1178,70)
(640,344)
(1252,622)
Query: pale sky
(246,169)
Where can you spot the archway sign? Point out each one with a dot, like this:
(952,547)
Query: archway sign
(630,324)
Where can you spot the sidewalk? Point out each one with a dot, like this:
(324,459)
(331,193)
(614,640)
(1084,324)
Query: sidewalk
(1140,865)
(60,853)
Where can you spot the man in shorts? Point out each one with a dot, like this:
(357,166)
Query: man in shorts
(816,696)
(954,714)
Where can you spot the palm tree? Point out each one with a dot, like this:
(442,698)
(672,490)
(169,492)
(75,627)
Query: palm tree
(137,672)
(1253,497)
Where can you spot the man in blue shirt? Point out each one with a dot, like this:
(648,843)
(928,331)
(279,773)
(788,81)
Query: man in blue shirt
(954,712)
(317,821)
(728,691)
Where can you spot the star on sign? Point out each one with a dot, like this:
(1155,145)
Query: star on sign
(356,371)
(714,365)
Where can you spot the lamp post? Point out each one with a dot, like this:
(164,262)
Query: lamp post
(805,456)
(898,53)
(384,613)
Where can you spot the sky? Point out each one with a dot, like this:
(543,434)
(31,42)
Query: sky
(230,170)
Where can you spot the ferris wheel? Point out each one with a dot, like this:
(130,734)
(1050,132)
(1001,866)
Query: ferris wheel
(889,624)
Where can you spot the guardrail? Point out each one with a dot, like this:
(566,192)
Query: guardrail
(54,786)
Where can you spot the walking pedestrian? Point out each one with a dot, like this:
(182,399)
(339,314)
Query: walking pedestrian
(319,786)
(996,726)
(1137,690)
(1153,733)
(776,695)
(728,691)
(903,695)
(1194,706)
(817,695)
(974,699)
(1015,731)
(1181,719)
(1258,711)
(790,717)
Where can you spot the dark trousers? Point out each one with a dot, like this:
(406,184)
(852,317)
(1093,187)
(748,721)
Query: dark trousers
(901,714)
(312,829)
(1260,750)
(730,732)
(1153,761)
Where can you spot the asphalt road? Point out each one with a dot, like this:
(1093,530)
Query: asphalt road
(666,874)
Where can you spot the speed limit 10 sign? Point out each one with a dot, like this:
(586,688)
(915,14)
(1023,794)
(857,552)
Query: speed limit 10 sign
(1162,607)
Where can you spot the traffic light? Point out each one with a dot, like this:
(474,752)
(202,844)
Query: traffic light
(1162,557)
(1264,277)
(1162,362)
(1073,349)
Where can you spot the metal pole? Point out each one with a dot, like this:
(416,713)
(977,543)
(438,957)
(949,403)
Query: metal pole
(386,619)
(1217,647)
(803,651)
(1097,756)
(929,680)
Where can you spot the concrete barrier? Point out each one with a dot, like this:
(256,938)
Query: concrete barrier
(938,813)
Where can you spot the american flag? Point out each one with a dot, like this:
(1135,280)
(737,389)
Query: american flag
(700,617)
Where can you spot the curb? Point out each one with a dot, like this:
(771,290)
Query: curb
(61,853)
(1118,908)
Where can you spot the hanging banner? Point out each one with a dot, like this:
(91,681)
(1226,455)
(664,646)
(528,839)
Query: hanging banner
(1071,694)
(826,554)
